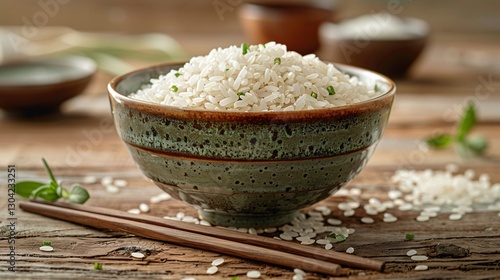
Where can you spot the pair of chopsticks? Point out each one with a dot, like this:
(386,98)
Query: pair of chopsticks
(253,247)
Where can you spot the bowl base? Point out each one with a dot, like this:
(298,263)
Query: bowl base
(248,220)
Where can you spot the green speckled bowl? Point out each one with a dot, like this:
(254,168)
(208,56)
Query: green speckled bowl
(248,169)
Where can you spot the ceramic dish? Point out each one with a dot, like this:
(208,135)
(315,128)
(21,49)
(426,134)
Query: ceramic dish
(392,56)
(42,86)
(250,169)
(293,23)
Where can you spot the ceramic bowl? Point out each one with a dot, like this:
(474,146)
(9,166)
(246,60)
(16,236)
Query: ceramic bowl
(389,56)
(35,87)
(294,24)
(251,169)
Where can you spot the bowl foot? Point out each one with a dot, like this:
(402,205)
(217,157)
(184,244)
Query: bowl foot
(248,220)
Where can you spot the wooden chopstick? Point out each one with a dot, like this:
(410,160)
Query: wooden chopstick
(284,246)
(184,238)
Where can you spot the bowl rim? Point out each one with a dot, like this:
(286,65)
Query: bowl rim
(87,67)
(371,104)
(263,8)
(419,27)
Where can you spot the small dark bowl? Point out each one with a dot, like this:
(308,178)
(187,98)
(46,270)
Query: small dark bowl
(36,87)
(292,24)
(392,57)
(251,169)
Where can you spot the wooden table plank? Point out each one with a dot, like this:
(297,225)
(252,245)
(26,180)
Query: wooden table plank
(81,142)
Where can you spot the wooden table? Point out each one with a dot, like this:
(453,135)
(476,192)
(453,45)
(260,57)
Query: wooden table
(82,141)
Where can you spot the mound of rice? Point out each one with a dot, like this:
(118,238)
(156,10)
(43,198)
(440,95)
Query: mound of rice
(262,77)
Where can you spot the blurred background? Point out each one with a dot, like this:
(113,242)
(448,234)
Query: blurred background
(199,21)
(462,36)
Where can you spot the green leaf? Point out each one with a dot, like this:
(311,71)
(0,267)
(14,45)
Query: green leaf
(45,192)
(439,141)
(60,191)
(336,237)
(97,266)
(467,121)
(409,236)
(78,194)
(340,237)
(476,144)
(25,188)
(331,90)
(462,149)
(49,172)
(244,48)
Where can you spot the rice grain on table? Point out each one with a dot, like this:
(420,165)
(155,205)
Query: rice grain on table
(228,80)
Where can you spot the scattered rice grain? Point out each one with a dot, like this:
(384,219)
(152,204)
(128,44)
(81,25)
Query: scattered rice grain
(254,274)
(120,183)
(455,217)
(160,197)
(349,213)
(270,230)
(212,270)
(367,220)
(419,258)
(422,218)
(205,223)
(107,180)
(355,191)
(111,189)
(421,267)
(299,271)
(411,253)
(137,255)
(134,211)
(334,222)
(46,248)
(217,262)
(144,207)
(89,179)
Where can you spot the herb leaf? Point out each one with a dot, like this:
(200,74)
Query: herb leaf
(51,191)
(46,192)
(332,236)
(340,237)
(97,266)
(476,144)
(25,188)
(331,90)
(439,141)
(467,122)
(49,172)
(465,145)
(78,194)
(409,236)
(244,48)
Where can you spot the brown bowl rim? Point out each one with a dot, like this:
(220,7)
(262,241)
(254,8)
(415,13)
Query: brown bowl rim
(372,104)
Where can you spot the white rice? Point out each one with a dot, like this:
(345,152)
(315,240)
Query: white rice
(228,80)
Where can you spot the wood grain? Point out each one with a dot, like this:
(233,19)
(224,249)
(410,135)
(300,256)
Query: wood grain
(185,238)
(81,141)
